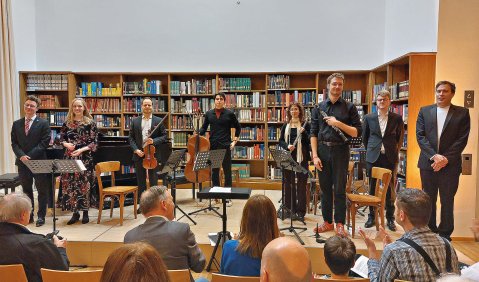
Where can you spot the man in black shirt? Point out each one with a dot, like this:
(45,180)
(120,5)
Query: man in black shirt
(221,121)
(330,151)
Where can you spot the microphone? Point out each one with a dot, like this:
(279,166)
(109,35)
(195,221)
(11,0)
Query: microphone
(341,134)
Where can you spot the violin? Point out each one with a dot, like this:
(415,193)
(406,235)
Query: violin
(196,143)
(149,160)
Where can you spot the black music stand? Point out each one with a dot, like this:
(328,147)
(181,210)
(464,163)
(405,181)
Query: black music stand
(286,162)
(236,193)
(209,159)
(170,166)
(52,167)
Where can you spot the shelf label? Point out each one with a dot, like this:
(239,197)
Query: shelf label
(469,98)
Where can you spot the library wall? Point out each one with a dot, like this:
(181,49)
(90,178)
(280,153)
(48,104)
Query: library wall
(458,50)
(410,26)
(202,36)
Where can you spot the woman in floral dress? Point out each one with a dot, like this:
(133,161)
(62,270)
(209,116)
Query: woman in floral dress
(79,136)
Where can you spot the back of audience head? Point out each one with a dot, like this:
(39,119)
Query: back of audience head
(415,204)
(284,259)
(339,253)
(453,278)
(258,226)
(135,262)
(157,201)
(15,208)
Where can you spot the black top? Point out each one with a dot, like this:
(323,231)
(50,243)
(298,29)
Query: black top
(220,128)
(305,141)
(343,111)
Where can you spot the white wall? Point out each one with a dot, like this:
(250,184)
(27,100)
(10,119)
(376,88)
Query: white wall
(24,15)
(410,26)
(213,35)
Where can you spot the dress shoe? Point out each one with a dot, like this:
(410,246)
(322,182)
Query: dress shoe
(324,227)
(85,218)
(369,223)
(74,219)
(391,225)
(40,222)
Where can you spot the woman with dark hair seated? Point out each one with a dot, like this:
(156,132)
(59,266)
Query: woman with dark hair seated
(135,262)
(242,257)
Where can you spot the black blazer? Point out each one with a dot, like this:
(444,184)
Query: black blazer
(136,139)
(305,141)
(453,137)
(35,144)
(373,139)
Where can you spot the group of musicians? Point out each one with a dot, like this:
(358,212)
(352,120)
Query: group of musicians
(324,141)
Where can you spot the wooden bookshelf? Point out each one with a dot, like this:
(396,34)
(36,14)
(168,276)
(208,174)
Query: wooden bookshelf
(175,91)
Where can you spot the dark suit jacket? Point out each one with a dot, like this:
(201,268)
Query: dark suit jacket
(305,141)
(34,251)
(373,139)
(136,139)
(174,241)
(453,137)
(35,144)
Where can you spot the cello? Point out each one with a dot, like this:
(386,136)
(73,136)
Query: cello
(196,143)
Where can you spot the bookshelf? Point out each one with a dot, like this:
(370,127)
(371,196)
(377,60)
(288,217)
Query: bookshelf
(259,99)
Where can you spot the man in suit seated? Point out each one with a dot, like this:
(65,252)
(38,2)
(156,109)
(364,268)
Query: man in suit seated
(21,246)
(284,259)
(174,240)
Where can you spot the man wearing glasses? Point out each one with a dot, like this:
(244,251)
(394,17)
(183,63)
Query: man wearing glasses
(382,138)
(30,137)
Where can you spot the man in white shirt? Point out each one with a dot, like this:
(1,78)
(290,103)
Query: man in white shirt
(442,130)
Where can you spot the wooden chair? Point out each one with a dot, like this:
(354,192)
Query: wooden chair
(113,191)
(180,275)
(341,280)
(355,201)
(216,277)
(49,275)
(12,273)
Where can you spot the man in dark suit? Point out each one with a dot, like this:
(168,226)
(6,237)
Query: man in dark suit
(174,240)
(141,127)
(30,137)
(382,136)
(21,246)
(442,130)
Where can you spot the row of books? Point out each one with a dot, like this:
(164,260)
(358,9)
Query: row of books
(36,82)
(404,141)
(55,118)
(399,90)
(251,115)
(194,86)
(111,132)
(143,87)
(134,104)
(278,81)
(377,88)
(255,152)
(278,115)
(402,163)
(274,173)
(245,171)
(179,139)
(127,121)
(255,100)
(235,83)
(109,105)
(353,96)
(126,169)
(185,122)
(53,135)
(99,89)
(395,108)
(360,109)
(106,121)
(278,98)
(255,133)
(49,101)
(274,133)
(192,105)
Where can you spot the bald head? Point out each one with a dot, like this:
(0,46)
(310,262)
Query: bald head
(284,259)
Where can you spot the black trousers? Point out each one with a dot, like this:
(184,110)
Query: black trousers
(42,183)
(445,182)
(141,176)
(382,162)
(332,178)
(298,190)
(226,167)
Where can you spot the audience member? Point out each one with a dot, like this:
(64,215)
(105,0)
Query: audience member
(339,253)
(453,278)
(21,246)
(138,262)
(173,240)
(284,259)
(402,259)
(242,257)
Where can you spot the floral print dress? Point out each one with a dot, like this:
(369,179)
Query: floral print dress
(78,188)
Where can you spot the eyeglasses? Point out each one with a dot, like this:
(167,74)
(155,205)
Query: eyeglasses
(382,100)
(30,106)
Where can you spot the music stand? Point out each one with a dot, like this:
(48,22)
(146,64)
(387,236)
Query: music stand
(209,159)
(52,167)
(170,166)
(286,162)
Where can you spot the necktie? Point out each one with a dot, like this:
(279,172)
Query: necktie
(27,125)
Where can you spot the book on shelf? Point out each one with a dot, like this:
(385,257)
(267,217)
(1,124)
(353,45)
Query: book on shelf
(55,118)
(255,152)
(404,141)
(49,101)
(133,104)
(126,169)
(353,96)
(274,133)
(144,87)
(37,82)
(251,115)
(284,99)
(111,132)
(127,121)
(255,99)
(255,133)
(190,105)
(277,115)
(96,88)
(278,81)
(235,83)
(109,105)
(53,135)
(274,173)
(185,122)
(378,87)
(401,110)
(399,90)
(193,87)
(244,172)
(402,163)
(106,121)
(180,139)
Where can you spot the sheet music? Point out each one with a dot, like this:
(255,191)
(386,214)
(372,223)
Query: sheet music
(218,189)
(80,165)
(361,266)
